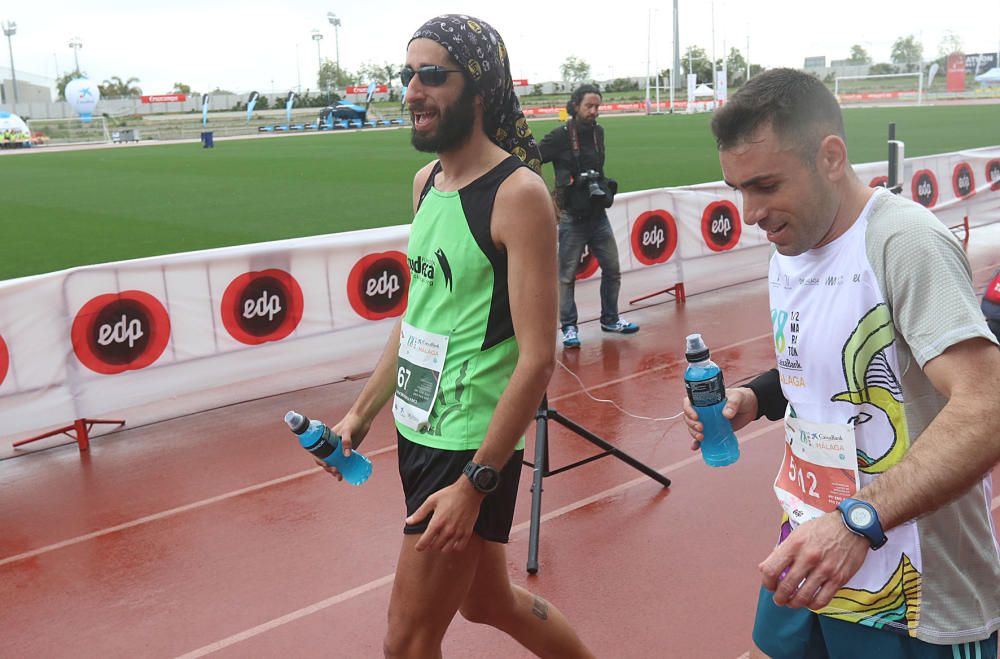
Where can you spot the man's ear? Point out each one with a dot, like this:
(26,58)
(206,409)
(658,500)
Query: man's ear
(831,158)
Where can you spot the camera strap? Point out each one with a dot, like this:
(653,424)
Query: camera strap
(574,142)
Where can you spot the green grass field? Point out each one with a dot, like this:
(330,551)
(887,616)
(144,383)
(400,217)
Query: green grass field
(73,208)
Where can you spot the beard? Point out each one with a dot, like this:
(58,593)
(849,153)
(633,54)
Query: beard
(455,124)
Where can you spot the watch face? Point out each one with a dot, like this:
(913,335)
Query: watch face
(860,516)
(486,479)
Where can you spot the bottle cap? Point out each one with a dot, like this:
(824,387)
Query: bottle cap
(298,423)
(696,349)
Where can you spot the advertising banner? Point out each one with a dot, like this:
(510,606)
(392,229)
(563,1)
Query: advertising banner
(956,72)
(173,334)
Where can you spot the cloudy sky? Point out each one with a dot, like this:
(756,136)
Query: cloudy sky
(249,44)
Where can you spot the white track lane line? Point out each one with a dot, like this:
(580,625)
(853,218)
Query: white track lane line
(170,513)
(284,479)
(387,579)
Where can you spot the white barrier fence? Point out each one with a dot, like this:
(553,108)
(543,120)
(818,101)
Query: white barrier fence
(172,334)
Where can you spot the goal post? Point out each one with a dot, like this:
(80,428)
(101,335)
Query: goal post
(885,83)
(70,130)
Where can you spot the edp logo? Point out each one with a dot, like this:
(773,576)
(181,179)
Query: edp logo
(720,226)
(4,360)
(377,285)
(925,188)
(263,306)
(267,305)
(124,330)
(387,284)
(962,181)
(654,237)
(993,174)
(119,332)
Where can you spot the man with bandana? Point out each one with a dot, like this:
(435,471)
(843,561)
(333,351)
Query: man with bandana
(469,362)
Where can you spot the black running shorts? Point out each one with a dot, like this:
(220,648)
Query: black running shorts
(426,470)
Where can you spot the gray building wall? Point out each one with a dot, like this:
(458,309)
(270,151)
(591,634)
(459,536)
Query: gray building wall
(26,92)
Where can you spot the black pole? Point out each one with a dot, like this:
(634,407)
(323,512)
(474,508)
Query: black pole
(541,467)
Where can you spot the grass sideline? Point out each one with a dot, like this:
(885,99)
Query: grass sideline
(64,209)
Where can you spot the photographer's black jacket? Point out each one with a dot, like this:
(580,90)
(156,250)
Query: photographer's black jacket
(556,148)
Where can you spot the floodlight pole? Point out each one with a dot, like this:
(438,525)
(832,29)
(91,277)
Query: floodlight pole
(317,36)
(677,53)
(649,40)
(335,22)
(10,29)
(76,45)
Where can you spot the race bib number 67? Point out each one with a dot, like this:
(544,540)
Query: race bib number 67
(418,375)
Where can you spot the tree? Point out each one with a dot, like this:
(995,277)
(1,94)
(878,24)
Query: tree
(574,70)
(696,61)
(331,75)
(115,87)
(859,55)
(950,43)
(621,85)
(907,53)
(882,68)
(384,73)
(736,67)
(181,88)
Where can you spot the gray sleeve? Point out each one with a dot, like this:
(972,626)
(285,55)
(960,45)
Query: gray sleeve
(925,278)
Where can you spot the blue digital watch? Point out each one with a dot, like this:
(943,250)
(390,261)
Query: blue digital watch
(860,518)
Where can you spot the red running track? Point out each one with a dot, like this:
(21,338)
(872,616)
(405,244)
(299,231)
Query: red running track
(214,535)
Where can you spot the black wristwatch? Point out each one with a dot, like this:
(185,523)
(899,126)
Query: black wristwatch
(861,518)
(483,477)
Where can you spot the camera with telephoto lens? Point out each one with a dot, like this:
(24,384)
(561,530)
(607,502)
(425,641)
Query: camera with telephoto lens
(592,179)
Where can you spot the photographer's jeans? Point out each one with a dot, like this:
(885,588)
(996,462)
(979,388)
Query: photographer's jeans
(574,235)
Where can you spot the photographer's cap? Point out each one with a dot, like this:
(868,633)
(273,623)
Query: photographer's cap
(696,349)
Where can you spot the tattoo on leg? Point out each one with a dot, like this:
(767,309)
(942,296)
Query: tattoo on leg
(540,608)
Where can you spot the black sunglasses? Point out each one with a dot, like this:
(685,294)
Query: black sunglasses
(431,75)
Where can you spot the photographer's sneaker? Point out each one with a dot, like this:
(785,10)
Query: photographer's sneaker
(620,327)
(570,337)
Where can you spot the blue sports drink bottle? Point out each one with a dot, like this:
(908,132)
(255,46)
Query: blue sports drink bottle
(319,440)
(707,393)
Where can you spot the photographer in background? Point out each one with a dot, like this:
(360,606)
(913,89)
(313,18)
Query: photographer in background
(583,194)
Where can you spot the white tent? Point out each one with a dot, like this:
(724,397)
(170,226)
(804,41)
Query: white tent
(12,122)
(991,77)
(703,90)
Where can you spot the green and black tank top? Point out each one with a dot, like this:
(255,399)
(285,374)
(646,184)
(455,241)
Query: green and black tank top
(458,288)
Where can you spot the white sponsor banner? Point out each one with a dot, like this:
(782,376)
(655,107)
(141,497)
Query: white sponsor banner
(172,334)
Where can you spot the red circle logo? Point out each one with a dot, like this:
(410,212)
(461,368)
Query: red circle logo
(963,181)
(378,284)
(720,226)
(879,182)
(993,173)
(587,265)
(118,332)
(654,237)
(924,188)
(4,360)
(258,307)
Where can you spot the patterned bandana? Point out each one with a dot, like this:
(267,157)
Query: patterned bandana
(478,49)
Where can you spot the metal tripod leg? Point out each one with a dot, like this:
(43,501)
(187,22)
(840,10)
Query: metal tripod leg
(540,468)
